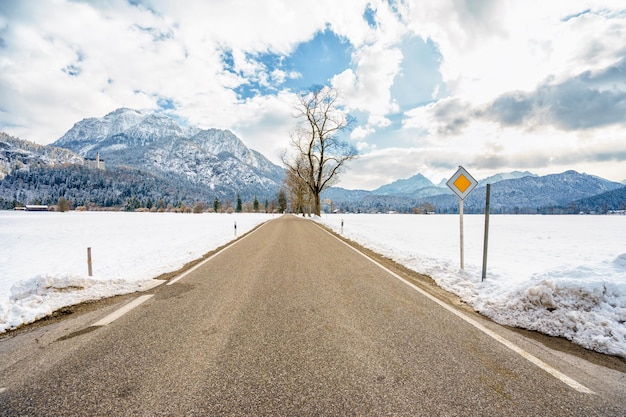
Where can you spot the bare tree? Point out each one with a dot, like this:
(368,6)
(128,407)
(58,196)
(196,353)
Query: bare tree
(299,192)
(319,154)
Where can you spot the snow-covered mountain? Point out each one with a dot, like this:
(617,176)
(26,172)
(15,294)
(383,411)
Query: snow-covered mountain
(20,154)
(419,186)
(505,176)
(515,192)
(151,157)
(416,184)
(530,194)
(548,190)
(86,133)
(157,143)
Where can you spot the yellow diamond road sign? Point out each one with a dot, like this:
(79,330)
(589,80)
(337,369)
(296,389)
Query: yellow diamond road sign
(462,183)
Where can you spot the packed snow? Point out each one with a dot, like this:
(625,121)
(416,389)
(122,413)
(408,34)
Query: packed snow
(560,275)
(43,255)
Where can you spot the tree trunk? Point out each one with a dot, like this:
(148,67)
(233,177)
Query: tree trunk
(318,205)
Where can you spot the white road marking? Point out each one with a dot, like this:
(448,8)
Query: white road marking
(189,271)
(2,389)
(122,310)
(534,360)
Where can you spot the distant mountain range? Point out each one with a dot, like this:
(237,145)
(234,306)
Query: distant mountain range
(515,192)
(151,159)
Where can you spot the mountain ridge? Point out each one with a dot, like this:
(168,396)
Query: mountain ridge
(159,145)
(516,192)
(16,153)
(188,164)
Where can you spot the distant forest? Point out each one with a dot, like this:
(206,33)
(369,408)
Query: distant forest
(117,188)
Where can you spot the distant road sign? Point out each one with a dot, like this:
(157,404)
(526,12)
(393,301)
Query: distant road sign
(462,183)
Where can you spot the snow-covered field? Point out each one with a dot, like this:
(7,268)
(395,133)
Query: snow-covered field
(43,256)
(561,275)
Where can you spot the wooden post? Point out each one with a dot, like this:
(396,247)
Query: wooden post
(487,198)
(89,270)
(461,232)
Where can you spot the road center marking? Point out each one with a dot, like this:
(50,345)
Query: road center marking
(122,310)
(532,359)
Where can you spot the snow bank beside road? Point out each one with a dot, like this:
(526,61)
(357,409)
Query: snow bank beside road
(559,275)
(38,297)
(43,256)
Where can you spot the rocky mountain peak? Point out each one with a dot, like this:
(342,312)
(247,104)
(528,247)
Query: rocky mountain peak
(218,142)
(157,143)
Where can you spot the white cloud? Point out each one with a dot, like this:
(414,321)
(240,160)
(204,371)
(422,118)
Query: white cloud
(486,149)
(265,124)
(361,132)
(130,56)
(376,62)
(62,61)
(509,45)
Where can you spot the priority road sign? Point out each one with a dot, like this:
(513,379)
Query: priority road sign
(462,183)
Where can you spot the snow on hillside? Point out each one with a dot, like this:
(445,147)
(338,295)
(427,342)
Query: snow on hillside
(559,275)
(158,144)
(43,261)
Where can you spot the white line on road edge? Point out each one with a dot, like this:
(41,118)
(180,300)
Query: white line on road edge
(122,310)
(536,361)
(184,274)
(136,302)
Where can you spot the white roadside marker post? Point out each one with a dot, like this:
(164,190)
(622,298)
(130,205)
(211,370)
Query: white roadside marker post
(89,269)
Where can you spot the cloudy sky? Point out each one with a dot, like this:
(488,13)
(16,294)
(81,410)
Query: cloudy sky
(494,86)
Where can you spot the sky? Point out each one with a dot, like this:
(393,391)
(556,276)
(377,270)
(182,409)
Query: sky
(495,86)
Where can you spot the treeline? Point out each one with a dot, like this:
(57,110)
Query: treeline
(120,189)
(604,203)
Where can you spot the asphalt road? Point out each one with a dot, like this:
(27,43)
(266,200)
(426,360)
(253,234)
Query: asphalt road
(289,321)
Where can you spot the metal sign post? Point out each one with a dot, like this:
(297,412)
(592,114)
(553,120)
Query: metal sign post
(461,184)
(462,245)
(486,240)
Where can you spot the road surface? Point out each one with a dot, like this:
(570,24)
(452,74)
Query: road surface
(290,321)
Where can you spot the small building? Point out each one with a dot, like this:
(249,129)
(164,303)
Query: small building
(36,207)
